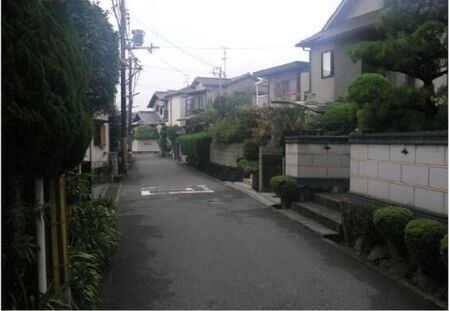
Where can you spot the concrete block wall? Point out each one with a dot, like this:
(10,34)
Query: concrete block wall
(408,169)
(317,157)
(226,154)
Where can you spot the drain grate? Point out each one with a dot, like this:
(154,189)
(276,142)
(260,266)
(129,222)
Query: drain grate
(151,191)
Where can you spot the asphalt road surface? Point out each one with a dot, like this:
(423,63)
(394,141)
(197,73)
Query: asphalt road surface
(185,247)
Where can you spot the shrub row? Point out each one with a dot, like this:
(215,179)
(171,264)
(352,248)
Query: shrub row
(424,239)
(196,147)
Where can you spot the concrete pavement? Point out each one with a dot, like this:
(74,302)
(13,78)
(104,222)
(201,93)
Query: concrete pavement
(225,250)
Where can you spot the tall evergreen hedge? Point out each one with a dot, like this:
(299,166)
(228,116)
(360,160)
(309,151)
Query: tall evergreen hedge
(45,126)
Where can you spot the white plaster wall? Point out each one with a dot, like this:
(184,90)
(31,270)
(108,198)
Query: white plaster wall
(177,110)
(418,178)
(226,154)
(146,145)
(314,161)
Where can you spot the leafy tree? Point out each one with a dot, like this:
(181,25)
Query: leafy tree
(415,41)
(383,107)
(274,123)
(100,46)
(340,120)
(145,132)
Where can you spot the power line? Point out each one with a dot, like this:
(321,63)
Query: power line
(232,48)
(205,62)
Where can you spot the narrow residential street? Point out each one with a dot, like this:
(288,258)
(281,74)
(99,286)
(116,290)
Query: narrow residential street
(224,250)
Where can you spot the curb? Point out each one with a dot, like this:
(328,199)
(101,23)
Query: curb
(255,195)
(399,280)
(119,190)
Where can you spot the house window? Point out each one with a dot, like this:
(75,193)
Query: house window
(327,64)
(189,106)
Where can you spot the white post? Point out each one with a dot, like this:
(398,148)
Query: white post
(40,235)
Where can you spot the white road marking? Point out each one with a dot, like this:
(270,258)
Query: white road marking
(152,191)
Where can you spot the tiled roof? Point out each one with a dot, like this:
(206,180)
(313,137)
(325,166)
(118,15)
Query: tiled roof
(157,95)
(241,77)
(208,81)
(297,65)
(149,118)
(348,26)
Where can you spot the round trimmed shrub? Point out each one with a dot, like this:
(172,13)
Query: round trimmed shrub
(391,222)
(285,187)
(422,238)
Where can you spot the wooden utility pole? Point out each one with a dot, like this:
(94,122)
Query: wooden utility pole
(130,92)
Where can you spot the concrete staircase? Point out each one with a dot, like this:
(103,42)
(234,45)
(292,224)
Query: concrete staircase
(322,214)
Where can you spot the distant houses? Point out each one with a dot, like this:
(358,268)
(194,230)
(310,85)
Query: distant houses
(316,84)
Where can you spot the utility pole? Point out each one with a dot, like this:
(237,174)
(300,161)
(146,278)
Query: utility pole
(123,98)
(224,62)
(130,92)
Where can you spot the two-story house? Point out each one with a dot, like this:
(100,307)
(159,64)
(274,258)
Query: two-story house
(204,91)
(159,103)
(287,82)
(243,85)
(331,69)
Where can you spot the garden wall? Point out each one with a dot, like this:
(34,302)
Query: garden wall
(318,161)
(409,169)
(270,165)
(226,154)
(146,145)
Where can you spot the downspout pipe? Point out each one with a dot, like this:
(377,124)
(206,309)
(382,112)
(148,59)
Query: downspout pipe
(260,80)
(40,235)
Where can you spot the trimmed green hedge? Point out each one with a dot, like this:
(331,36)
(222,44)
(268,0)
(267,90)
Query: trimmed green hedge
(423,237)
(391,222)
(444,245)
(285,186)
(196,147)
(340,120)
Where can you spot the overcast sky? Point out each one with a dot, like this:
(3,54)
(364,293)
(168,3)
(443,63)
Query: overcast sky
(191,35)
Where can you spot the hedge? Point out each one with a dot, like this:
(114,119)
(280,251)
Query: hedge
(423,237)
(391,222)
(196,147)
(285,186)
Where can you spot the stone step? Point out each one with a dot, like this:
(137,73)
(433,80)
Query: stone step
(319,213)
(316,227)
(331,200)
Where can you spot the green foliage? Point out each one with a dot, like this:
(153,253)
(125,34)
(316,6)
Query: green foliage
(226,105)
(382,107)
(45,127)
(94,236)
(422,237)
(201,121)
(234,127)
(145,132)
(86,278)
(196,147)
(248,166)
(391,222)
(100,46)
(167,138)
(340,120)
(444,245)
(274,123)
(415,41)
(285,187)
(251,149)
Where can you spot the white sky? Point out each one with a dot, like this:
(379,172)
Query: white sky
(258,35)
